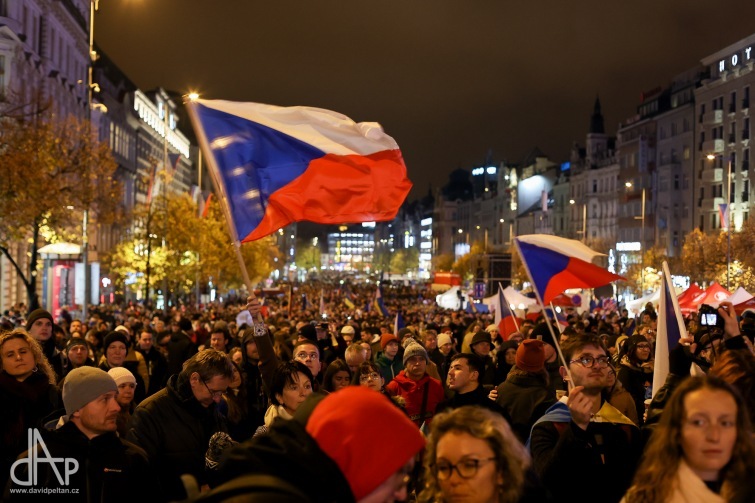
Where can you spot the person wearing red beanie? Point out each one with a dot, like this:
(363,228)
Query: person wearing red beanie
(390,366)
(351,446)
(343,425)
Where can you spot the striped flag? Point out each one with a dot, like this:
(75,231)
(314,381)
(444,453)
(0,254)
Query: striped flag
(322,301)
(670,329)
(379,305)
(504,318)
(398,323)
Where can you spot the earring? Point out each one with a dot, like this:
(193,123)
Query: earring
(35,369)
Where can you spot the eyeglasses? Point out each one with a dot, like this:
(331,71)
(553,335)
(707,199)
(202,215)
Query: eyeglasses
(588,361)
(304,356)
(466,468)
(643,346)
(215,394)
(374,376)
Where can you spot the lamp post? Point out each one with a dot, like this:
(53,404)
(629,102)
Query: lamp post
(642,236)
(584,220)
(727,216)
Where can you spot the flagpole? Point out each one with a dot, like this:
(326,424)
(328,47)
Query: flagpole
(542,305)
(558,325)
(220,188)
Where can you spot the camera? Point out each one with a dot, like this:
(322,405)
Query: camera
(708,317)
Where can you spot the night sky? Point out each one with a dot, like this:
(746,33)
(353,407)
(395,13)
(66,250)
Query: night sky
(450,80)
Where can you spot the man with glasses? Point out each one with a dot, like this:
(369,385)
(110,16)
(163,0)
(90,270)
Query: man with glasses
(175,424)
(308,353)
(583,435)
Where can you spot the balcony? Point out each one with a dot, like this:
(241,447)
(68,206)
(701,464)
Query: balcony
(712,146)
(713,117)
(710,203)
(712,175)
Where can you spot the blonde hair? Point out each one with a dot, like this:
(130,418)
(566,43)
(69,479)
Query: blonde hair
(39,358)
(511,458)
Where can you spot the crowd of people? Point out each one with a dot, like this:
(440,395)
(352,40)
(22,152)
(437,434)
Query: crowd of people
(279,399)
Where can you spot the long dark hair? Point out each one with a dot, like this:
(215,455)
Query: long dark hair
(335,367)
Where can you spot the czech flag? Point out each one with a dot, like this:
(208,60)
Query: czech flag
(504,318)
(556,264)
(277,165)
(670,329)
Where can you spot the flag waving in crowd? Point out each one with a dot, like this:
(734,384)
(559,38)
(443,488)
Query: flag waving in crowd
(560,264)
(273,166)
(670,329)
(504,318)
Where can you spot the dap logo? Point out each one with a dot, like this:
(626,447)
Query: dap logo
(38,453)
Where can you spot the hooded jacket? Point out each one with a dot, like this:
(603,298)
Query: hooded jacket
(413,393)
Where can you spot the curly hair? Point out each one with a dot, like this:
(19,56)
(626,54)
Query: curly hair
(512,460)
(663,453)
(39,358)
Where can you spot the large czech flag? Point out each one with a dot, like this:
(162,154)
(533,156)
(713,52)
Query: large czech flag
(556,264)
(277,165)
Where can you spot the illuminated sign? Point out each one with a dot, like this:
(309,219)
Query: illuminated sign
(478,171)
(151,115)
(426,221)
(630,246)
(491,170)
(738,58)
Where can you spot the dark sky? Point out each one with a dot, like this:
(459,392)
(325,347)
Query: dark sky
(448,79)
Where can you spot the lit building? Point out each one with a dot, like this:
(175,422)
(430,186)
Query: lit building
(352,248)
(44,55)
(724,132)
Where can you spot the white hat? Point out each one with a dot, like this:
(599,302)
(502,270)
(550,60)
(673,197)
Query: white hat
(492,326)
(444,338)
(121,375)
(347,329)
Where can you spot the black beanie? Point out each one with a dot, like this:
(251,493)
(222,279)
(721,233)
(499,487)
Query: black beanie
(545,334)
(37,314)
(308,332)
(114,336)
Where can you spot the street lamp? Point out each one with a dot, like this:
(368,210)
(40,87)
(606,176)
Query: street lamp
(642,236)
(727,216)
(584,220)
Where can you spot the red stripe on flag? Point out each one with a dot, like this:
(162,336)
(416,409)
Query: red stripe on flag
(339,189)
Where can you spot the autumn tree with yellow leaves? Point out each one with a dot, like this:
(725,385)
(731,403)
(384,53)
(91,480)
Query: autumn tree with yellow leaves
(196,248)
(51,170)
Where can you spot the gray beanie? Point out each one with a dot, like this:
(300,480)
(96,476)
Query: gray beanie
(414,350)
(84,384)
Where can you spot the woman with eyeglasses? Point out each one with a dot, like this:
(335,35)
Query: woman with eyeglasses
(473,456)
(701,451)
(636,372)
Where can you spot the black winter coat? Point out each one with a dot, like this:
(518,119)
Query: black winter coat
(175,430)
(525,398)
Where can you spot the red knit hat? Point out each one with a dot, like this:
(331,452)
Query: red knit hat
(386,338)
(530,355)
(355,421)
